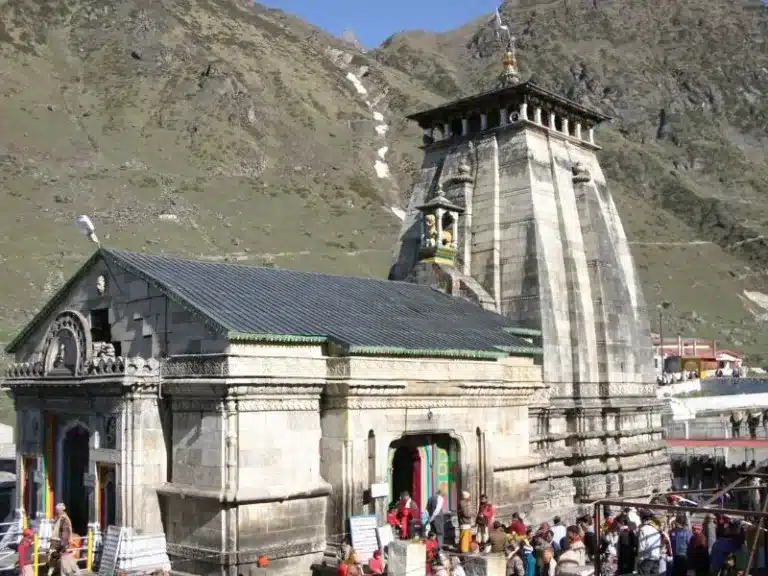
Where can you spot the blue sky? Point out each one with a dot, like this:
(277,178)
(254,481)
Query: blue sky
(374,21)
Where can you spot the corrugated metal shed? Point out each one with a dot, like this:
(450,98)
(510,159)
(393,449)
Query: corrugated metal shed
(361,314)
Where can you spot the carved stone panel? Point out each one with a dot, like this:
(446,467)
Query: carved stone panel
(110,432)
(68,347)
(31,430)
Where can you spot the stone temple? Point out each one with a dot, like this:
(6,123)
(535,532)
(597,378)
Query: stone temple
(511,210)
(247,411)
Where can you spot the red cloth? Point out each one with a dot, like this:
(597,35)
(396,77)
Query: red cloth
(25,553)
(518,527)
(342,569)
(487,511)
(404,513)
(376,564)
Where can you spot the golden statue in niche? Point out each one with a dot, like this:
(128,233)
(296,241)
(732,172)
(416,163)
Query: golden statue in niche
(430,222)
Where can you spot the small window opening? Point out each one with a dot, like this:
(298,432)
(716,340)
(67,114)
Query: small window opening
(101,330)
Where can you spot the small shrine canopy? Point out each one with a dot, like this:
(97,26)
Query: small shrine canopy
(440,201)
(504,97)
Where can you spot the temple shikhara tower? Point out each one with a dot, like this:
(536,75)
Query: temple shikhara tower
(511,210)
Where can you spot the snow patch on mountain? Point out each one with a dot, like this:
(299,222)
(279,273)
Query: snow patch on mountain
(343,60)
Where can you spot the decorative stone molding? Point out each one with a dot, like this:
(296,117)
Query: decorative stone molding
(195,405)
(505,390)
(617,449)
(195,553)
(25,370)
(399,402)
(273,404)
(274,552)
(595,434)
(105,366)
(251,392)
(464,175)
(280,405)
(136,366)
(180,366)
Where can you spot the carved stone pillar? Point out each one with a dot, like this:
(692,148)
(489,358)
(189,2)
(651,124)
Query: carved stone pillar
(537,115)
(446,131)
(464,126)
(591,135)
(552,121)
(439,216)
(577,130)
(483,121)
(565,127)
(463,197)
(229,421)
(524,111)
(504,118)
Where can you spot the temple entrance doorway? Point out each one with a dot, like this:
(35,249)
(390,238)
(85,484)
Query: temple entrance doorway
(75,466)
(107,502)
(30,486)
(420,464)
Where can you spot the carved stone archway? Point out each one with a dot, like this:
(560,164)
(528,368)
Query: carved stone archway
(68,346)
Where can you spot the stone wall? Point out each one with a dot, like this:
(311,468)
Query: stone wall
(197,446)
(246,440)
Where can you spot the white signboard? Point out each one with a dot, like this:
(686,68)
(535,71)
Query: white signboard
(362,531)
(380,490)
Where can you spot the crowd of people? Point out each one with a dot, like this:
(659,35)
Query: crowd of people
(632,541)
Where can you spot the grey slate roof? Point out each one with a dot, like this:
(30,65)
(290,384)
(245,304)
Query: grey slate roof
(361,314)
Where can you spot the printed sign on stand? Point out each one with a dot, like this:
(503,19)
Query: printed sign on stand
(362,531)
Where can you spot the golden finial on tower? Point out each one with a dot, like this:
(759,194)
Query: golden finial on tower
(510,75)
(510,60)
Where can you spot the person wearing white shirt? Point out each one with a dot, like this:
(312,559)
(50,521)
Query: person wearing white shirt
(436,509)
(558,530)
(648,549)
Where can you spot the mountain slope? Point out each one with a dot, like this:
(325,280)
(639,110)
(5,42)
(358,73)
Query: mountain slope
(686,153)
(194,126)
(218,129)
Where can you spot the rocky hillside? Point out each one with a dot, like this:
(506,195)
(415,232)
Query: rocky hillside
(686,154)
(225,130)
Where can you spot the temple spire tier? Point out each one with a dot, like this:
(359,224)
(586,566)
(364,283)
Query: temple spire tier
(512,104)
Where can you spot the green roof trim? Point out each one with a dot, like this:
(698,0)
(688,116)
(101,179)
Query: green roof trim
(520,331)
(276,338)
(424,352)
(523,350)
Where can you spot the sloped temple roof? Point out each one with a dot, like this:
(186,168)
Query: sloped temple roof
(363,315)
